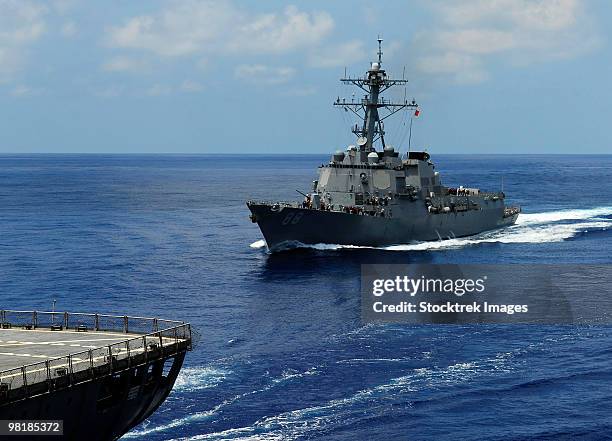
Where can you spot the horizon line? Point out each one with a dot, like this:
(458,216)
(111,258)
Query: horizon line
(272,154)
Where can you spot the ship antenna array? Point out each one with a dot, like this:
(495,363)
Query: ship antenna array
(369,108)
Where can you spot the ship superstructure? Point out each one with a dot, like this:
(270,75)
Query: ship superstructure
(376,197)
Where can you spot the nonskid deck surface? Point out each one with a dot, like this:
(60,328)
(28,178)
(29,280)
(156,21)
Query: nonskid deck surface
(20,347)
(42,351)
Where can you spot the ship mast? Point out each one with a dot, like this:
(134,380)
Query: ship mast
(374,83)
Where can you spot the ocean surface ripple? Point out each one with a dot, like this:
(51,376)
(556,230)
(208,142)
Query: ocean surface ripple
(282,353)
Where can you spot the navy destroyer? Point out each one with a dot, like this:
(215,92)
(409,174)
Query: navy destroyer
(85,376)
(370,195)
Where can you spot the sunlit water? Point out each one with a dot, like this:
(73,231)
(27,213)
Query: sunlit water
(281,351)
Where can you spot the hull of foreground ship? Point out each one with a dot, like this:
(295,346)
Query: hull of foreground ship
(124,370)
(366,196)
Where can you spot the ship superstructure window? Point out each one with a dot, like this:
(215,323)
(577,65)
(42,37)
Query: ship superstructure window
(400,184)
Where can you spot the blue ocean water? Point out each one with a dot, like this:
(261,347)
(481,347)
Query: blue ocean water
(281,352)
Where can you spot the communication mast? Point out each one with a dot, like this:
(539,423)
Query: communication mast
(374,83)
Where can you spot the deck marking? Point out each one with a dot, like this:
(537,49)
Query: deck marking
(76,361)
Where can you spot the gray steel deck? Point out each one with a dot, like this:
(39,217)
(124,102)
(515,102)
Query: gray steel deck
(20,347)
(41,351)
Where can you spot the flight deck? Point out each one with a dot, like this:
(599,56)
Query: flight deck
(20,347)
(43,351)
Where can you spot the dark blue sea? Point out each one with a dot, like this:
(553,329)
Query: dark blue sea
(281,351)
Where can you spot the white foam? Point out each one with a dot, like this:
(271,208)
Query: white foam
(299,423)
(198,416)
(258,244)
(237,434)
(562,215)
(190,379)
(171,425)
(517,234)
(197,378)
(290,374)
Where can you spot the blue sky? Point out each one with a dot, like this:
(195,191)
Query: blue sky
(491,76)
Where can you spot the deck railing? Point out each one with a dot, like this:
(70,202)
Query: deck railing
(84,321)
(158,339)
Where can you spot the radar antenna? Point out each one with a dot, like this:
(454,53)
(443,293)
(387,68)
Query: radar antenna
(374,83)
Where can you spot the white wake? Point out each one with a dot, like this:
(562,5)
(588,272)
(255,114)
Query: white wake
(258,244)
(196,378)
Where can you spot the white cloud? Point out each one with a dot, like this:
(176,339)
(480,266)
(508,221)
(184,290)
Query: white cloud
(476,41)
(259,73)
(464,68)
(280,32)
(391,49)
(111,91)
(191,86)
(469,35)
(21,24)
(187,86)
(191,27)
(63,6)
(338,55)
(538,14)
(22,90)
(302,91)
(125,64)
(159,90)
(69,29)
(202,64)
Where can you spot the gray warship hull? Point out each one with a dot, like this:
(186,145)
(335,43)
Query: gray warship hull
(288,226)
